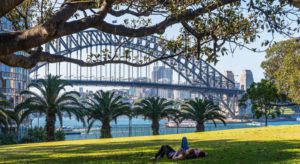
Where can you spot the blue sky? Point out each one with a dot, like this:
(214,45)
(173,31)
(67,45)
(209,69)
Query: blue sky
(241,58)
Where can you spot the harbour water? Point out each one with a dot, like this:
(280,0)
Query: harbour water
(141,127)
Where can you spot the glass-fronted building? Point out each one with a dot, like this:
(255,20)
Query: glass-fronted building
(12,79)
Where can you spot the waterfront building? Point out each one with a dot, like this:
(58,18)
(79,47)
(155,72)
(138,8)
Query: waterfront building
(161,74)
(140,92)
(182,94)
(12,79)
(122,92)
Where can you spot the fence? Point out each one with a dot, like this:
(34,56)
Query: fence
(124,131)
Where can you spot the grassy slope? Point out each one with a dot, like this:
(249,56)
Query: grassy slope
(279,144)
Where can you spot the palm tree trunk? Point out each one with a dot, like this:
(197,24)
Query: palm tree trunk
(266,120)
(200,126)
(155,127)
(105,130)
(50,126)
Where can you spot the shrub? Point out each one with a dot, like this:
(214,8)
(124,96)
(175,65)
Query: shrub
(60,135)
(37,134)
(8,138)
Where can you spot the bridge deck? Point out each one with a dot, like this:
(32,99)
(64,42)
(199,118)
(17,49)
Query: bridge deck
(155,85)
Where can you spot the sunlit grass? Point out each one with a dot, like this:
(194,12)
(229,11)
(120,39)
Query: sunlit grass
(280,144)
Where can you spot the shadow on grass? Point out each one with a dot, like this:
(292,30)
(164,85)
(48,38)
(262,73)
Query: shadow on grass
(219,151)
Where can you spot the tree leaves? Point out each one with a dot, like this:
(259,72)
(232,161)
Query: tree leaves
(264,98)
(283,67)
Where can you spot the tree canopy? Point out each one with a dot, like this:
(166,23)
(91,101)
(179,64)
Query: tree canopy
(154,109)
(282,65)
(201,111)
(206,25)
(52,101)
(106,107)
(265,100)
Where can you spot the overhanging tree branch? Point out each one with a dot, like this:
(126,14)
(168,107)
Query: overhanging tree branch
(214,21)
(8,5)
(40,56)
(56,26)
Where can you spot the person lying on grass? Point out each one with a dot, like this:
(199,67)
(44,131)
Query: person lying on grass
(184,152)
(179,154)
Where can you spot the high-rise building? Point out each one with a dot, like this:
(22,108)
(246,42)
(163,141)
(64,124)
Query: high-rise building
(164,75)
(246,79)
(161,72)
(181,95)
(12,79)
(229,75)
(139,91)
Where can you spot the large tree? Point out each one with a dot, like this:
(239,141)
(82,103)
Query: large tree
(52,100)
(265,100)
(106,107)
(207,25)
(201,111)
(4,105)
(16,117)
(154,109)
(282,65)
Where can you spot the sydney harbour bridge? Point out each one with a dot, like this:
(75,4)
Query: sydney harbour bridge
(196,76)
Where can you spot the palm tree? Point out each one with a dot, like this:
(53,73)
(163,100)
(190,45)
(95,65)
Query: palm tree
(3,112)
(53,100)
(105,107)
(202,110)
(16,117)
(154,109)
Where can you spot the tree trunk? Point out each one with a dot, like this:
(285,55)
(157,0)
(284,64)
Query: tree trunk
(17,132)
(266,120)
(155,127)
(130,126)
(50,126)
(200,126)
(105,130)
(177,127)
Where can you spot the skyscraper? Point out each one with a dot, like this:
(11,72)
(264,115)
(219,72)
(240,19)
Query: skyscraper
(12,79)
(162,74)
(229,75)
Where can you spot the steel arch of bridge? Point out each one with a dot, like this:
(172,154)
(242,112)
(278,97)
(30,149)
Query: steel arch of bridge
(200,75)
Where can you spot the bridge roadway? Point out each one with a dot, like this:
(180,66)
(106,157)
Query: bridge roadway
(155,85)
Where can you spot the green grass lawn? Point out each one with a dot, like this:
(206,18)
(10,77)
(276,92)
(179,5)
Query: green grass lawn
(280,144)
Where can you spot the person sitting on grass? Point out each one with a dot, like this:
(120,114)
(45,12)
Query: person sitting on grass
(182,153)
